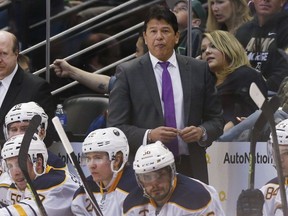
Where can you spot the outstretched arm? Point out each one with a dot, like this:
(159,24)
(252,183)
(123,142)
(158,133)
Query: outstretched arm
(96,82)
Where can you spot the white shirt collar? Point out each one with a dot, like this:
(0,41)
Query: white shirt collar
(172,59)
(7,80)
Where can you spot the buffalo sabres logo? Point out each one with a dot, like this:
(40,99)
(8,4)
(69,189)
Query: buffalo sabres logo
(17,107)
(116,132)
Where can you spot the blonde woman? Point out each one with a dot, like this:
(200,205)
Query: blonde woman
(227,15)
(233,74)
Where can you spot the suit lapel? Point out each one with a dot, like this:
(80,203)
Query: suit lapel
(150,80)
(12,92)
(186,79)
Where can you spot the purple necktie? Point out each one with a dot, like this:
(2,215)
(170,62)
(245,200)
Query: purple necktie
(169,107)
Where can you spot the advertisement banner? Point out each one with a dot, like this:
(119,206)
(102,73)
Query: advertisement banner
(228,167)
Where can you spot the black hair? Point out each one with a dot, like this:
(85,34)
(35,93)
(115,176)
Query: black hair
(160,12)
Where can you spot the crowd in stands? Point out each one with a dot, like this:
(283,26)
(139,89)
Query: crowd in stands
(203,97)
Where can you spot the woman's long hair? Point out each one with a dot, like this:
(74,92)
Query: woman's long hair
(240,15)
(233,52)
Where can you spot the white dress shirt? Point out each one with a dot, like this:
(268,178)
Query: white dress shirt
(5,83)
(173,69)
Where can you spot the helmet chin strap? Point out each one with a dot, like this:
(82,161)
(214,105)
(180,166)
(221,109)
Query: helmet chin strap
(110,183)
(145,194)
(116,171)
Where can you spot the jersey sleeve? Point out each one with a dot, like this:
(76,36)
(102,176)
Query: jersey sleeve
(269,191)
(27,207)
(215,205)
(5,183)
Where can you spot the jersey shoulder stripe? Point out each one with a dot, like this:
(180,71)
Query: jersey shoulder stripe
(128,181)
(92,185)
(135,198)
(190,194)
(55,161)
(50,179)
(273,181)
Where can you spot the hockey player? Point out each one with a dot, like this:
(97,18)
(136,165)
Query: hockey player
(163,192)
(54,188)
(272,204)
(18,117)
(17,121)
(106,154)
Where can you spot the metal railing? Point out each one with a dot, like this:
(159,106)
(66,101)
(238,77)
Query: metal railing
(122,33)
(81,25)
(63,88)
(89,22)
(67,12)
(4,5)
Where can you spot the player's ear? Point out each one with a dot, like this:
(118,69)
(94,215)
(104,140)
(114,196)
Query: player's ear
(42,133)
(39,164)
(118,161)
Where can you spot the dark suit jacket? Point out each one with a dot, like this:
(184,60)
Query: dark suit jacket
(27,87)
(135,104)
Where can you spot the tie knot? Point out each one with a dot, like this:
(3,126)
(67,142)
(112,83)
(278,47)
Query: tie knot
(164,65)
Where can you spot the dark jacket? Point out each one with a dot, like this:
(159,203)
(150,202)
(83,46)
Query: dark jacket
(262,43)
(135,104)
(181,47)
(26,87)
(234,93)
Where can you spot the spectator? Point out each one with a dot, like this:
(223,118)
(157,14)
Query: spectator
(242,131)
(97,82)
(54,187)
(272,204)
(227,15)
(162,191)
(100,57)
(198,25)
(141,47)
(229,63)
(136,102)
(18,86)
(94,60)
(111,177)
(261,38)
(252,7)
(24,62)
